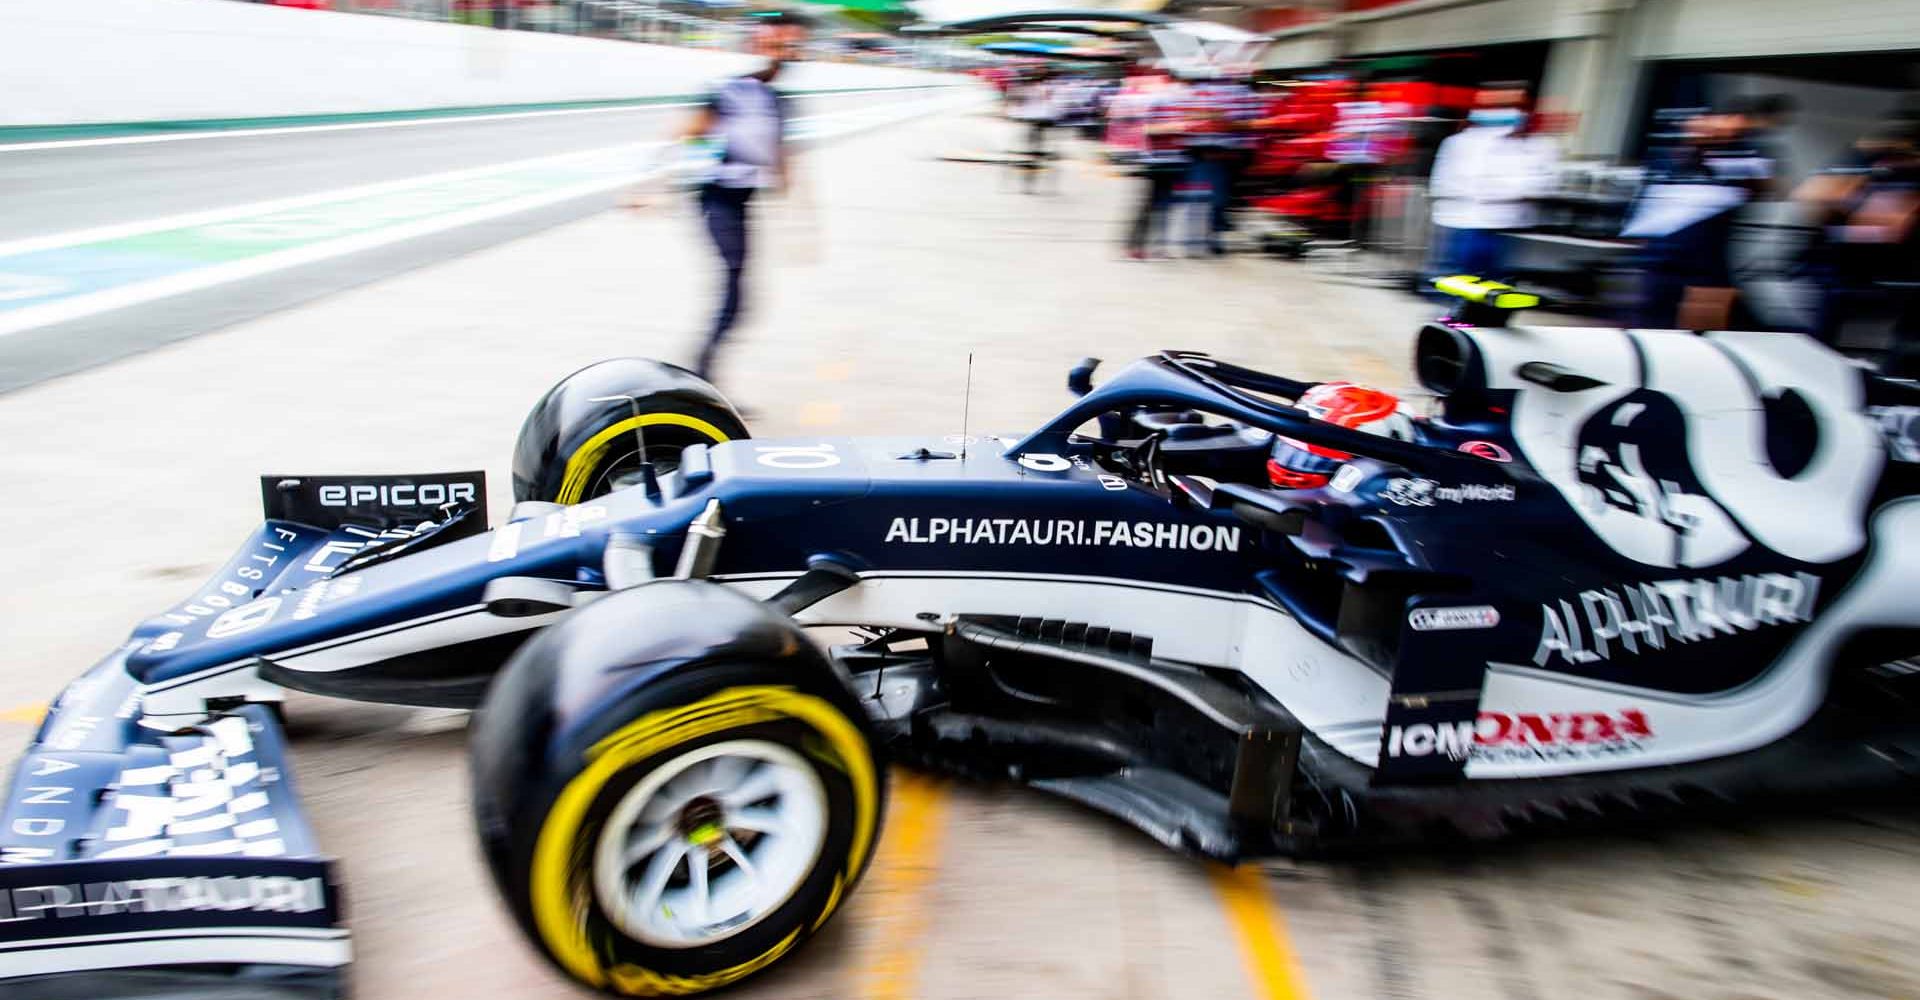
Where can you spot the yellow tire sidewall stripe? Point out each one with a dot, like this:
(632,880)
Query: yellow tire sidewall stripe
(580,464)
(560,902)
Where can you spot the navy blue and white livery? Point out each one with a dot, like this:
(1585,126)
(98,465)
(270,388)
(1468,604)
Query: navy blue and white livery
(1609,568)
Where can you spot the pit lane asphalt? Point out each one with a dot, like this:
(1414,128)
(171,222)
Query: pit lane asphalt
(127,484)
(50,190)
(96,183)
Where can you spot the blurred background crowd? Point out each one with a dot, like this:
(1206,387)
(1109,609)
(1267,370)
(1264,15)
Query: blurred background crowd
(1737,202)
(1664,163)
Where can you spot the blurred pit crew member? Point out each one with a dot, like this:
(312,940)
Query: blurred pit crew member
(1484,181)
(744,119)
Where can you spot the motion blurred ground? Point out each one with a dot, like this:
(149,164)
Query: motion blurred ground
(129,483)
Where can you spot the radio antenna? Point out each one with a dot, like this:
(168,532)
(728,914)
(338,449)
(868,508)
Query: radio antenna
(966,408)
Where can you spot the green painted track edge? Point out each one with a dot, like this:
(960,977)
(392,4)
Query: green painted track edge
(52,133)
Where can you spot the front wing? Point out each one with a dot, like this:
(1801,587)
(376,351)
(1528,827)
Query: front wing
(136,862)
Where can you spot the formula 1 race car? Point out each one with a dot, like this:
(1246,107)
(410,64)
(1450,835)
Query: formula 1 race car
(1248,615)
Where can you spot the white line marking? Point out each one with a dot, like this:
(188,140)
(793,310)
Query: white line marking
(121,230)
(241,133)
(198,279)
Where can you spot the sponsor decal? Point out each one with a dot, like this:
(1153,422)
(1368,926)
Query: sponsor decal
(379,505)
(241,583)
(1487,450)
(318,561)
(506,542)
(230,894)
(1045,463)
(1345,479)
(347,549)
(29,792)
(1671,471)
(1409,492)
(1525,736)
(567,523)
(243,619)
(1647,616)
(397,494)
(1453,619)
(324,592)
(1426,493)
(507,539)
(1063,531)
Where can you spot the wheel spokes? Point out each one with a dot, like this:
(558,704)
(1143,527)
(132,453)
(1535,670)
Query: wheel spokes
(646,841)
(758,819)
(697,894)
(732,850)
(746,819)
(727,772)
(653,884)
(762,783)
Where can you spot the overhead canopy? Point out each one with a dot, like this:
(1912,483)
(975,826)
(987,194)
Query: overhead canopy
(1200,48)
(870,6)
(1037,50)
(1038,20)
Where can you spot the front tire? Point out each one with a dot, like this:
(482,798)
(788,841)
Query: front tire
(582,439)
(690,847)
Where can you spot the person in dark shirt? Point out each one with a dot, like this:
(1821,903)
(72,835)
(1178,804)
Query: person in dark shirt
(1866,257)
(743,123)
(1686,214)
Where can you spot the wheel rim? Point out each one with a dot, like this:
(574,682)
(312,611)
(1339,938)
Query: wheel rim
(709,843)
(624,472)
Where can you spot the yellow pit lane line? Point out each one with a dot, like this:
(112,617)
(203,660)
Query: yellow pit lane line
(26,715)
(895,890)
(1273,969)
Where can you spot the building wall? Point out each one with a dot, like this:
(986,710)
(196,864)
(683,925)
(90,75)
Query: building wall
(1689,29)
(93,61)
(1425,26)
(1601,48)
(1301,51)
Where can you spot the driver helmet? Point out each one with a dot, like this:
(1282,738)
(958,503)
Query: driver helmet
(1296,465)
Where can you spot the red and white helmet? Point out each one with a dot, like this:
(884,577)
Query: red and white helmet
(1297,465)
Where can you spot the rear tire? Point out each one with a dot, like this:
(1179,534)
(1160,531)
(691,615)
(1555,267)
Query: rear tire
(730,762)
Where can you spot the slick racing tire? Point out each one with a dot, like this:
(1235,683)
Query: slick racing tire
(582,439)
(683,836)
